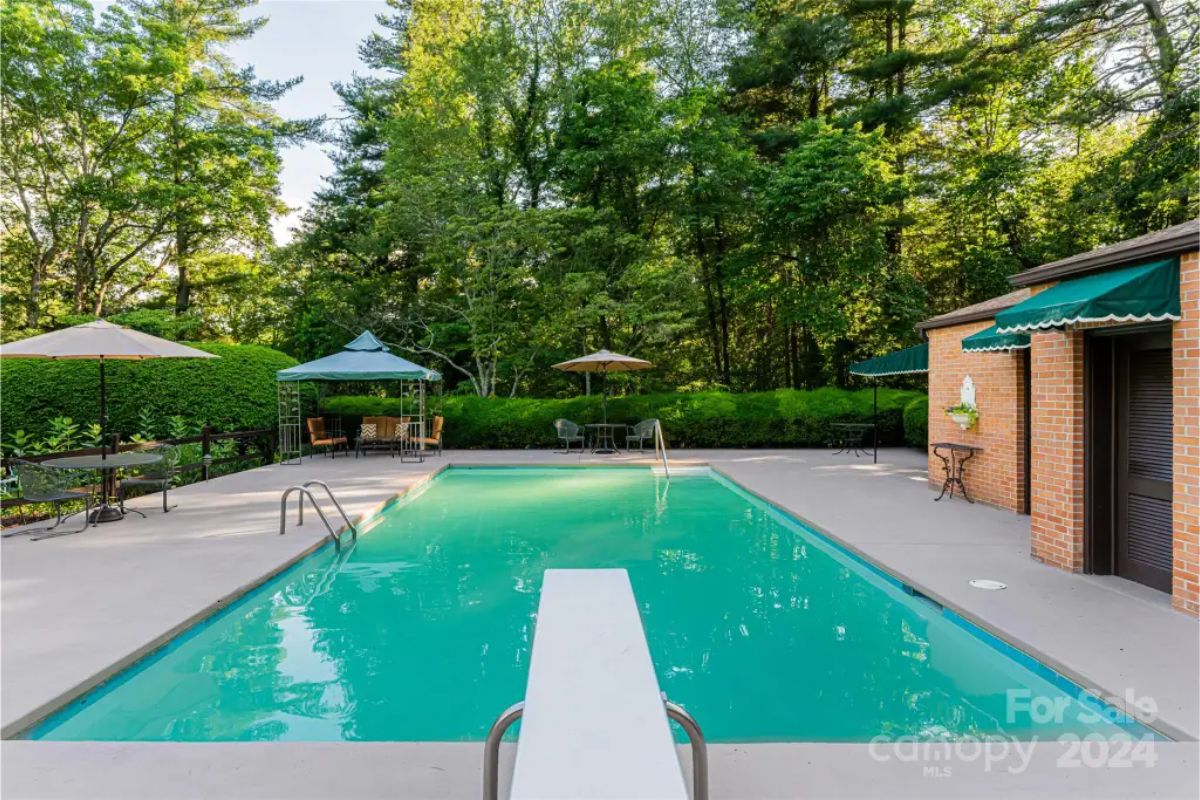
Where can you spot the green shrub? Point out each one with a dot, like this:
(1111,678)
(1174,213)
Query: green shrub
(916,422)
(233,392)
(161,322)
(783,418)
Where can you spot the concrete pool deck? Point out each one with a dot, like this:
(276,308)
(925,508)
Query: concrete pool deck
(78,608)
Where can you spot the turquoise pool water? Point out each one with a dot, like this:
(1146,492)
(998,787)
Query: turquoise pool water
(761,628)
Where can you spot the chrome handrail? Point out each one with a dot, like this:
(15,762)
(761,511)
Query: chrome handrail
(306,492)
(349,525)
(699,748)
(491,749)
(661,444)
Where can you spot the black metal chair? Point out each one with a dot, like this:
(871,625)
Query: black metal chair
(568,432)
(41,484)
(641,433)
(156,476)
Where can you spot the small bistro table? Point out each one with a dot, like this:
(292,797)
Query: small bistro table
(852,435)
(107,467)
(953,461)
(604,440)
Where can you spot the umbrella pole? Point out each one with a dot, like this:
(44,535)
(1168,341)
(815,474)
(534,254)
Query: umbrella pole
(604,397)
(103,415)
(875,421)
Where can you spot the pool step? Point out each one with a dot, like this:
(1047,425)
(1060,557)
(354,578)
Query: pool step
(677,470)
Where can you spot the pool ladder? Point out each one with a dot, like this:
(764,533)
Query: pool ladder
(491,748)
(660,445)
(305,491)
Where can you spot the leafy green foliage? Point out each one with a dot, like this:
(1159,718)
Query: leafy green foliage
(782,418)
(916,422)
(235,391)
(154,321)
(139,162)
(751,194)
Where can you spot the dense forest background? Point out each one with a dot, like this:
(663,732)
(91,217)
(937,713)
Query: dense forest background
(750,193)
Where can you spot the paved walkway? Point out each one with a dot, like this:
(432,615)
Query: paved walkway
(79,608)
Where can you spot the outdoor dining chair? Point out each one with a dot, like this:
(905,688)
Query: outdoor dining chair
(156,476)
(41,484)
(435,437)
(568,432)
(318,437)
(641,433)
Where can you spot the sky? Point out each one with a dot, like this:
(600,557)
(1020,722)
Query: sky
(316,39)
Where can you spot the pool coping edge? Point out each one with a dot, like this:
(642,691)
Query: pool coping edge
(21,726)
(967,620)
(18,728)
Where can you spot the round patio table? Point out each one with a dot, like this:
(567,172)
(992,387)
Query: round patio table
(604,440)
(105,465)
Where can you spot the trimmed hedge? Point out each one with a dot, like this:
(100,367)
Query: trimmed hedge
(233,392)
(783,418)
(916,422)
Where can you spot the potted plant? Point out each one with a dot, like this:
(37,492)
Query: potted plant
(964,414)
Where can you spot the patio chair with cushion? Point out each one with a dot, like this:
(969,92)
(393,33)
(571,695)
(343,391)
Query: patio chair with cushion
(318,437)
(434,439)
(156,476)
(568,432)
(641,433)
(41,484)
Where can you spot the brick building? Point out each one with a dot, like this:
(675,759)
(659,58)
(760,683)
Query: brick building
(1086,380)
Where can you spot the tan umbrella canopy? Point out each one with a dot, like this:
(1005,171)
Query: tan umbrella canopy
(101,341)
(604,362)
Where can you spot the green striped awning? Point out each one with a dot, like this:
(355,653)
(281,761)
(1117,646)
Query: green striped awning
(908,361)
(1147,293)
(990,339)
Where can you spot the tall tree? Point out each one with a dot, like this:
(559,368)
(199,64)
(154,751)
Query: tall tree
(220,138)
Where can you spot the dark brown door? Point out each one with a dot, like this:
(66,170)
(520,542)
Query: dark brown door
(1143,460)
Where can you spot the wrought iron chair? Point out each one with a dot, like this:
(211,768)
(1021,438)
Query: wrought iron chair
(567,433)
(641,433)
(156,476)
(41,484)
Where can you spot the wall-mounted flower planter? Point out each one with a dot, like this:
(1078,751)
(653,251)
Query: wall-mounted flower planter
(963,415)
(962,419)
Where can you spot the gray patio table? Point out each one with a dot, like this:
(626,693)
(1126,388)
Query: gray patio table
(604,436)
(105,465)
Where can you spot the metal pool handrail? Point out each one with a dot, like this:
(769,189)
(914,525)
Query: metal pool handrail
(303,489)
(699,748)
(491,749)
(661,444)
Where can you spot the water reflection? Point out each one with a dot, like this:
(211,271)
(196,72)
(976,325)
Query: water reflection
(423,631)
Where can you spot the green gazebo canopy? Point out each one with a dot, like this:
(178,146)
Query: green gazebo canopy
(909,361)
(990,339)
(364,359)
(1146,293)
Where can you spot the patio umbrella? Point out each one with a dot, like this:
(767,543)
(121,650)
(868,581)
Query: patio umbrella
(604,362)
(102,341)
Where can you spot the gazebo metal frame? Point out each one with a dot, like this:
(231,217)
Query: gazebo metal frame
(366,359)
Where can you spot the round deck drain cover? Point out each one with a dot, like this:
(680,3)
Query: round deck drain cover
(985,583)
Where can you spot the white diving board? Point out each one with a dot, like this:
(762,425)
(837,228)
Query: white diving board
(594,726)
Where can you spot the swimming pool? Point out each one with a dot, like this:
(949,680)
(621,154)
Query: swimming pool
(761,627)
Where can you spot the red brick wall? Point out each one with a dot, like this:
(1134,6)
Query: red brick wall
(1056,423)
(997,475)
(1185,592)
(1057,518)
